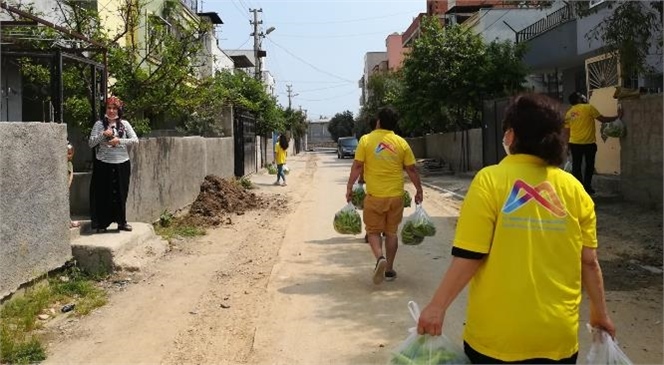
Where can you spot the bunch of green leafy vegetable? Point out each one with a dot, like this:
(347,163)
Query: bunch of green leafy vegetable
(358,196)
(421,353)
(347,221)
(414,231)
(406,199)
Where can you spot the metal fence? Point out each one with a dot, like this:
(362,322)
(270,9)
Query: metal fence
(244,132)
(552,20)
(492,131)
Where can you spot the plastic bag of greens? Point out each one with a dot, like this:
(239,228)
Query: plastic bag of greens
(417,226)
(348,220)
(568,165)
(426,349)
(615,129)
(407,200)
(605,350)
(272,169)
(358,196)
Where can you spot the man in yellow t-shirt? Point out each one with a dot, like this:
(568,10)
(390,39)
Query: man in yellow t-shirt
(580,129)
(383,156)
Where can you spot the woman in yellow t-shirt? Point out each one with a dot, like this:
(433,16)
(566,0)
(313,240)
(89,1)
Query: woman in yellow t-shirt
(281,151)
(526,241)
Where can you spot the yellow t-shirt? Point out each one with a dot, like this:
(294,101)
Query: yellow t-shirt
(384,155)
(580,119)
(532,221)
(279,154)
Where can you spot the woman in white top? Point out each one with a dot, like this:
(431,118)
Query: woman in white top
(110,176)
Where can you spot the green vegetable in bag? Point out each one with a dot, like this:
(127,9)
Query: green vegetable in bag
(358,196)
(406,199)
(348,220)
(417,226)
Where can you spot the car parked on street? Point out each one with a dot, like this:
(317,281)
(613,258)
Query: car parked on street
(346,146)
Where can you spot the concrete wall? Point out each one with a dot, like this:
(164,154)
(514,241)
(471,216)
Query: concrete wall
(395,51)
(447,146)
(419,146)
(34,214)
(641,152)
(166,174)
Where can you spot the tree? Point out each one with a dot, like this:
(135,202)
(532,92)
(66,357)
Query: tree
(384,89)
(447,75)
(441,74)
(341,125)
(633,31)
(156,78)
(295,121)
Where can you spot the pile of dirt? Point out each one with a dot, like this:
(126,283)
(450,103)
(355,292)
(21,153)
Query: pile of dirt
(220,197)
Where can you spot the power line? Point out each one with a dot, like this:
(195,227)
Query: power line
(242,45)
(330,98)
(346,20)
(307,63)
(327,88)
(239,9)
(330,36)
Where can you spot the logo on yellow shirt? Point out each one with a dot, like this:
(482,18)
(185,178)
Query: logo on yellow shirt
(385,146)
(543,194)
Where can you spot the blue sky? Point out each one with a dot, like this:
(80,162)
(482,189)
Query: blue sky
(333,36)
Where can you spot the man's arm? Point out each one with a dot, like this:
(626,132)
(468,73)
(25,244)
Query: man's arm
(591,276)
(605,119)
(415,178)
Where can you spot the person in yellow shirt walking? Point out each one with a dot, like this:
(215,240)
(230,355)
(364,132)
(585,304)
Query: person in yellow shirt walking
(383,156)
(580,130)
(281,151)
(526,241)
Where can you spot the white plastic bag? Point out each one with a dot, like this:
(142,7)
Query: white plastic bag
(348,220)
(604,349)
(358,195)
(426,349)
(417,226)
(568,165)
(286,169)
(615,129)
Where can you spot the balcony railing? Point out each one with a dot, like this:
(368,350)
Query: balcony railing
(191,4)
(558,17)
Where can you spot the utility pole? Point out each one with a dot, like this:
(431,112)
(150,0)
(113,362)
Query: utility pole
(289,90)
(257,42)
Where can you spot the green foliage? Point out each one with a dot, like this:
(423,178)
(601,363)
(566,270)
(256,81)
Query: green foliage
(341,125)
(295,121)
(633,31)
(385,89)
(156,75)
(447,75)
(18,316)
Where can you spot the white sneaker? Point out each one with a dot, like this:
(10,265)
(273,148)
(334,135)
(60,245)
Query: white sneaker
(379,271)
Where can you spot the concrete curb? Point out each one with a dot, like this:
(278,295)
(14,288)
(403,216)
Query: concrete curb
(105,253)
(446,193)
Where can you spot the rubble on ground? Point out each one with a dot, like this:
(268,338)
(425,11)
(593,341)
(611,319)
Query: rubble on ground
(220,197)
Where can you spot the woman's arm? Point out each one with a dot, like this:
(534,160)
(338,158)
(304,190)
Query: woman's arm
(456,278)
(97,134)
(130,136)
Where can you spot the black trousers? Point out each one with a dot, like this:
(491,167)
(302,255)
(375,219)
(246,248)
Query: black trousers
(478,358)
(108,193)
(581,152)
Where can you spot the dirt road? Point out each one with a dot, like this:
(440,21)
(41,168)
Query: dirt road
(281,287)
